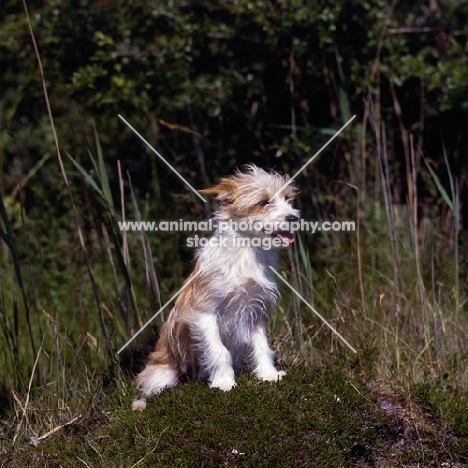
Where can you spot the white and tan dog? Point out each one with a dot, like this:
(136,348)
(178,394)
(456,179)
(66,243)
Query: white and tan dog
(219,319)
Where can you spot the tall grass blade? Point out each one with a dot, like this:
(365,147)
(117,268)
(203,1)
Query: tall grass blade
(7,237)
(87,177)
(102,173)
(454,204)
(151,277)
(343,99)
(440,187)
(11,339)
(306,265)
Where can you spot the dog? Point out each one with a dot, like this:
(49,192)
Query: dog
(218,322)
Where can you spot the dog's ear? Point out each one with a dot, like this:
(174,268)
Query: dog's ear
(222,192)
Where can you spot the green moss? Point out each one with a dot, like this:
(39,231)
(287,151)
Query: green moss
(315,417)
(450,408)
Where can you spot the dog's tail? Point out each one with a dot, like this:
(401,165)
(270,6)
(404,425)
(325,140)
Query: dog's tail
(153,380)
(162,371)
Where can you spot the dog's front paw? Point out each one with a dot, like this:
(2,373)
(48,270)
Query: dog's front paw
(272,375)
(223,382)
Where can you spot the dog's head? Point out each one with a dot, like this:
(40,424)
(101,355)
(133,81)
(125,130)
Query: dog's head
(263,198)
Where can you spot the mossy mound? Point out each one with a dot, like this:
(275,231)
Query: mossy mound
(315,417)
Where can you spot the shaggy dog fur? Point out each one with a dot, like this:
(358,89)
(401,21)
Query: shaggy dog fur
(218,322)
